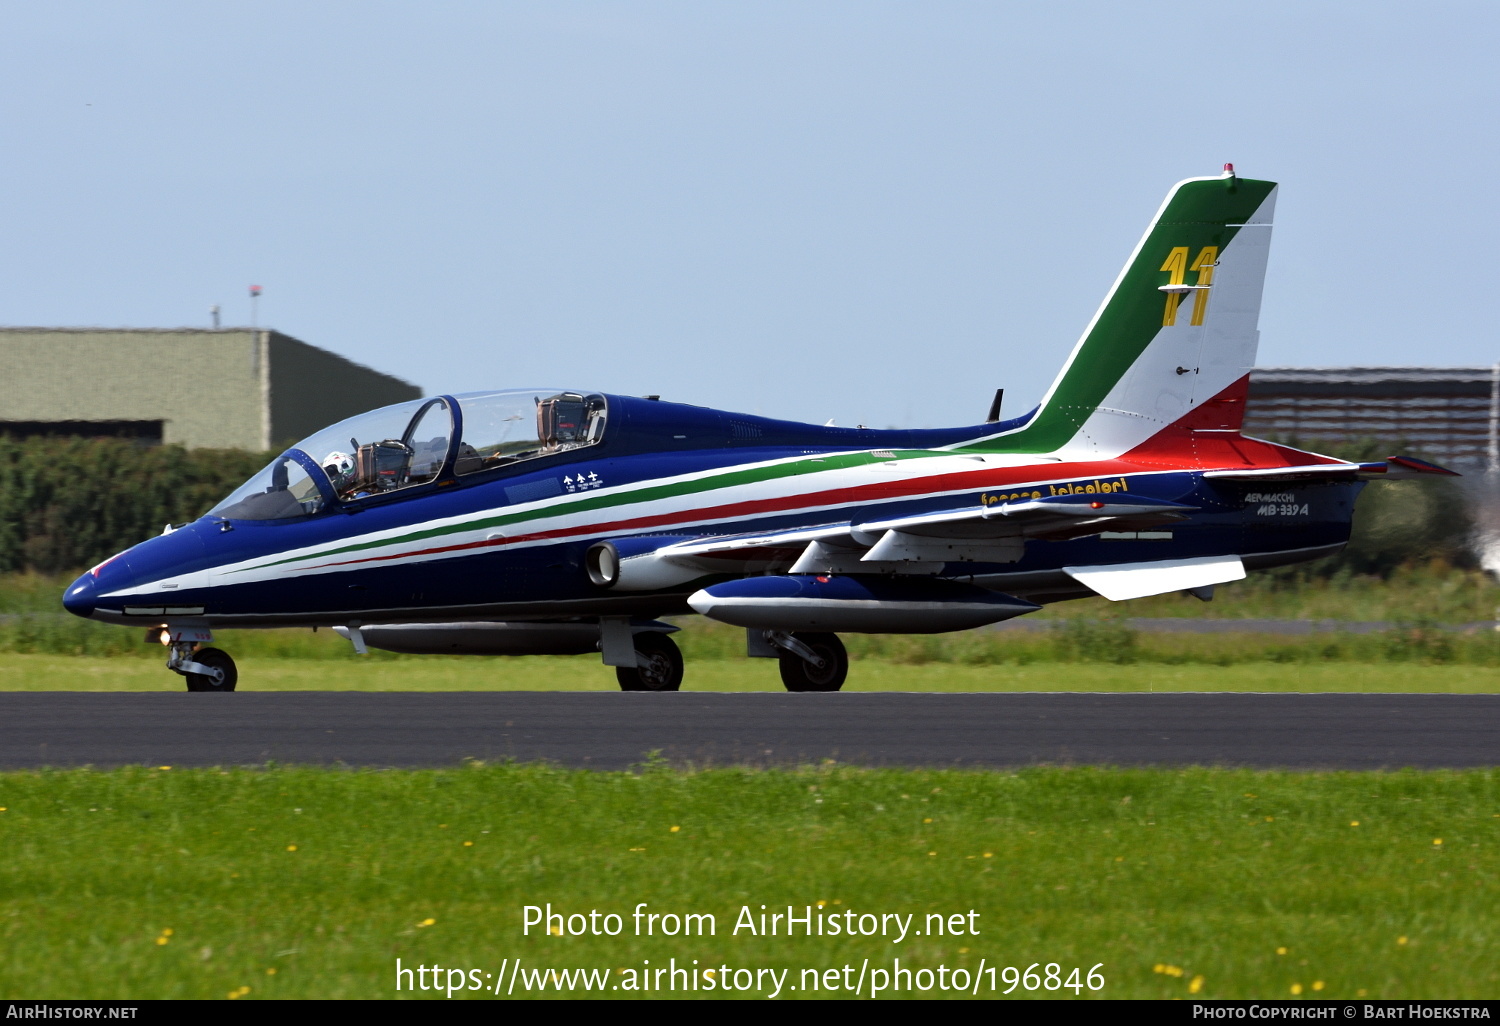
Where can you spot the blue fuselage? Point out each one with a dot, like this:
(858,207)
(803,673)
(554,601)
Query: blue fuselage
(509,543)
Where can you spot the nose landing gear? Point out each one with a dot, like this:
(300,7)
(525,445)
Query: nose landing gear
(205,669)
(211,669)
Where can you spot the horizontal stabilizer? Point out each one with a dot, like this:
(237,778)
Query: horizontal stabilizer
(1397,467)
(1330,471)
(1389,469)
(1121,581)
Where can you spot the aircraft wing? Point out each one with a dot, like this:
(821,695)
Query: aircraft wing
(978,533)
(733,545)
(1056,517)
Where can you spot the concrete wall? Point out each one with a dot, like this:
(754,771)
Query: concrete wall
(311,388)
(232,388)
(1442,413)
(205,385)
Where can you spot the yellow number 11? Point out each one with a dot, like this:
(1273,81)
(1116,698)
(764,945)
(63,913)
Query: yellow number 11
(1177,267)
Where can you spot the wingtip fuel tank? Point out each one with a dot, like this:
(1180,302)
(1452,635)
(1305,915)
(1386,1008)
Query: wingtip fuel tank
(861,605)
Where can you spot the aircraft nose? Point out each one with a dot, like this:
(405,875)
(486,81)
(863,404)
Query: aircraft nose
(81,596)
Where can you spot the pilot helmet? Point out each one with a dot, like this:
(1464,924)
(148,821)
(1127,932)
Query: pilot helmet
(338,465)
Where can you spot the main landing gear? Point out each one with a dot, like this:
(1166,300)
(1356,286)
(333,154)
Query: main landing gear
(658,665)
(812,662)
(809,661)
(646,659)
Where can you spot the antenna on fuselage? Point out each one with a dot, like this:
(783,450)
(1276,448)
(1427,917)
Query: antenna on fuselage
(995,407)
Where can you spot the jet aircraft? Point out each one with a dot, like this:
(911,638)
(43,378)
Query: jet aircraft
(569,521)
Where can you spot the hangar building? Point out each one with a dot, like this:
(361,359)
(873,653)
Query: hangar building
(1447,414)
(241,388)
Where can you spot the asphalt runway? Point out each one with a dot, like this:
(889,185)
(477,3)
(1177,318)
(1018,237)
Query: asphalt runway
(1203,625)
(617,730)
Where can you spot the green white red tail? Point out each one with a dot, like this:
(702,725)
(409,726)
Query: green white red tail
(1173,343)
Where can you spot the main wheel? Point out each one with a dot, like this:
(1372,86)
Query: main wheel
(800,675)
(215,659)
(658,665)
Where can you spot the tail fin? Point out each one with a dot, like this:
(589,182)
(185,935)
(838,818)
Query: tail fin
(1176,336)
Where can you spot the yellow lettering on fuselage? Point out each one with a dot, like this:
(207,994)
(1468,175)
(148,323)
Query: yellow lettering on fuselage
(1088,487)
(994,498)
(1094,487)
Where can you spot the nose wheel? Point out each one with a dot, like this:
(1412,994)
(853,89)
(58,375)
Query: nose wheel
(208,669)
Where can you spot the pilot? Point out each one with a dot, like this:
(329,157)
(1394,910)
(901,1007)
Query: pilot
(339,466)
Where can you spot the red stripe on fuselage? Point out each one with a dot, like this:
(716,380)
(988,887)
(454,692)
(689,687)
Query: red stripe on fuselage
(884,491)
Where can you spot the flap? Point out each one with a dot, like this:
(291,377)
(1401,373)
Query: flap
(1121,581)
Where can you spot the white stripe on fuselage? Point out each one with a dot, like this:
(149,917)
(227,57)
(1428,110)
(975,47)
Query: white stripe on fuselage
(260,568)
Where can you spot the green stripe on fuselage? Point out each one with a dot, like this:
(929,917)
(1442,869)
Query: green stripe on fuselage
(650,493)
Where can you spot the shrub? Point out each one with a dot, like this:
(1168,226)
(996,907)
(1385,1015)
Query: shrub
(67,503)
(1096,641)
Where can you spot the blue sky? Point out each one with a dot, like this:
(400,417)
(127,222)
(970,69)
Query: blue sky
(874,212)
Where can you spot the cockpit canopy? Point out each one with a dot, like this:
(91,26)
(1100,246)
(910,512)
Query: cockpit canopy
(411,443)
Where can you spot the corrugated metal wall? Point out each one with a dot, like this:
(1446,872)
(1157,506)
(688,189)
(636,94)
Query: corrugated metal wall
(1445,413)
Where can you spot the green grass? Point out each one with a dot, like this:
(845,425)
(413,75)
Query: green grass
(585,673)
(1432,591)
(1253,881)
(1092,649)
(1064,641)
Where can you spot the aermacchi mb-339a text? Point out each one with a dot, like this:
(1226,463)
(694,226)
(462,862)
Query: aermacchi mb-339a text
(556,520)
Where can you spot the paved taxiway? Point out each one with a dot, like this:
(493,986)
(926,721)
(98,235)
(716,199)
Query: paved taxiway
(615,730)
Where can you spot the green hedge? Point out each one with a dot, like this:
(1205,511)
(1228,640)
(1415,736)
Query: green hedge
(67,503)
(1397,523)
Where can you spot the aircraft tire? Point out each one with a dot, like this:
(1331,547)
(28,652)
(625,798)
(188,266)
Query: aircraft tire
(219,660)
(799,675)
(660,665)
